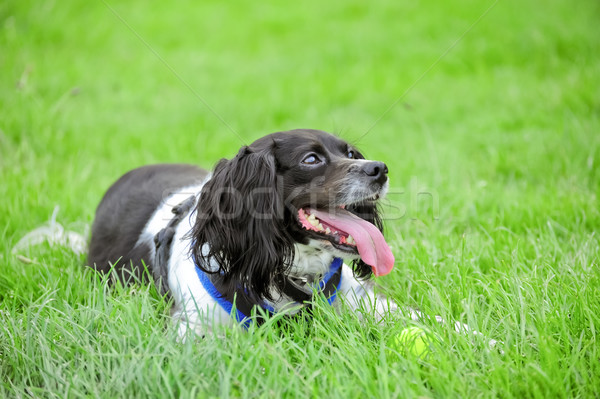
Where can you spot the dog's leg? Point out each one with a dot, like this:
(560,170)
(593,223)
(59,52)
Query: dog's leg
(361,295)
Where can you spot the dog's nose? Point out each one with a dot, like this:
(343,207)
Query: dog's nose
(376,170)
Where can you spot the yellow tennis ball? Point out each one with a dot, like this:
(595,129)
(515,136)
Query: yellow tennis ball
(412,341)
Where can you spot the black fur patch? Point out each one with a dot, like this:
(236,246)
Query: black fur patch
(124,212)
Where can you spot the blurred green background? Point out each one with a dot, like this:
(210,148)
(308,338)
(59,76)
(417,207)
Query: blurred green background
(496,120)
(92,89)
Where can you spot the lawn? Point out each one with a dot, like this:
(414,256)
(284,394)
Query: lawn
(486,113)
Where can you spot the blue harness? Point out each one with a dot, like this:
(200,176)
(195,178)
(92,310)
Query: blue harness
(328,286)
(242,311)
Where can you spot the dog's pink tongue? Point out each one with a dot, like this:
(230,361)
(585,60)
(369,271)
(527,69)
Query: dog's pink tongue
(372,248)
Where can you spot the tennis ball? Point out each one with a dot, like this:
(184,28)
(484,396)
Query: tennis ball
(412,341)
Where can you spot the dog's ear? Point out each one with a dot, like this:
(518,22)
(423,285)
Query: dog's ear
(369,212)
(240,228)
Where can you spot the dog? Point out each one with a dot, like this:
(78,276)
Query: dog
(292,217)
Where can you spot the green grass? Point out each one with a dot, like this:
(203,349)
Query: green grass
(494,157)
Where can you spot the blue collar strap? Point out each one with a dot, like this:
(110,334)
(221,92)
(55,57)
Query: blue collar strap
(212,283)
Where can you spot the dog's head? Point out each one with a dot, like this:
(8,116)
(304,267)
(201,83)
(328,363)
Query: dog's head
(288,188)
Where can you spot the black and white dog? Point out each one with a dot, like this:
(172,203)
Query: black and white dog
(266,230)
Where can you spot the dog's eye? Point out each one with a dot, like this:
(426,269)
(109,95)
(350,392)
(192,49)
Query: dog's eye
(311,159)
(350,154)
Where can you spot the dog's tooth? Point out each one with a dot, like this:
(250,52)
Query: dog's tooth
(328,230)
(313,221)
(350,240)
(320,227)
(311,217)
